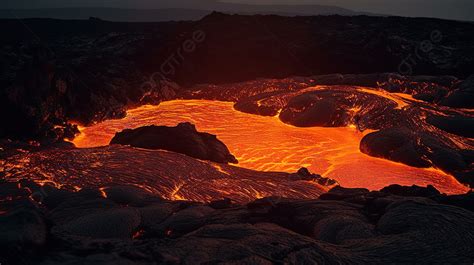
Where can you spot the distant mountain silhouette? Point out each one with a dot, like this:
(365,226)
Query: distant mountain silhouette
(446,9)
(110,14)
(170,14)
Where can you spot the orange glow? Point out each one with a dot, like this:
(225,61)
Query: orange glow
(267,144)
(175,194)
(138,234)
(398,98)
(166,174)
(102,192)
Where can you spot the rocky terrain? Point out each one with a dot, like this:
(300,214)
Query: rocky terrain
(127,225)
(406,81)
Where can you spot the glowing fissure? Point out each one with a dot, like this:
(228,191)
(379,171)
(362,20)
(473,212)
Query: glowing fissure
(267,144)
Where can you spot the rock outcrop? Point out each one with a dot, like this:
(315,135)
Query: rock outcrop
(421,148)
(184,139)
(463,96)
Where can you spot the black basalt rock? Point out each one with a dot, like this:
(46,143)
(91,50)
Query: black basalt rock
(415,191)
(396,144)
(184,139)
(463,96)
(419,149)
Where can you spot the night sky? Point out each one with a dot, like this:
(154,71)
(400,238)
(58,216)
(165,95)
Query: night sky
(451,9)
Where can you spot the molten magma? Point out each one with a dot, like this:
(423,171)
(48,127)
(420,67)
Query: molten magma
(266,144)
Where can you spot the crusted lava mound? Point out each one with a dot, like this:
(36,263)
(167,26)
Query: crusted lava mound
(333,107)
(420,148)
(463,96)
(128,225)
(184,139)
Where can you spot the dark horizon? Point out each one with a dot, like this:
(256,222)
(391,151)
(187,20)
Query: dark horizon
(455,10)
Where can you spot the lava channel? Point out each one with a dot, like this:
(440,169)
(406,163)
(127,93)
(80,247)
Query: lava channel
(267,144)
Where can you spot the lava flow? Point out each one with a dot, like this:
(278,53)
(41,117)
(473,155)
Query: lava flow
(267,144)
(169,175)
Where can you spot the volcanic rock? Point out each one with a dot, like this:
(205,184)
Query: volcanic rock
(394,225)
(459,125)
(396,144)
(183,221)
(465,201)
(113,223)
(331,107)
(305,174)
(413,191)
(22,228)
(126,194)
(74,208)
(463,96)
(184,138)
(419,149)
(340,193)
(157,212)
(221,204)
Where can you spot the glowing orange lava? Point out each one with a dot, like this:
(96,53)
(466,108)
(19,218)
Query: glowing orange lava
(267,144)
